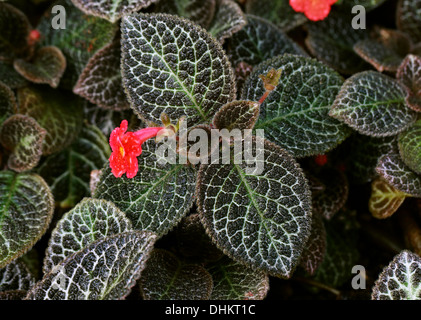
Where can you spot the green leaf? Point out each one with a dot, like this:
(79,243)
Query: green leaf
(26,209)
(234,281)
(24,137)
(101,82)
(90,220)
(260,220)
(409,143)
(167,278)
(384,199)
(332,41)
(295,114)
(15,276)
(193,242)
(237,115)
(258,41)
(15,27)
(400,280)
(198,11)
(60,113)
(8,104)
(409,75)
(386,51)
(392,168)
(228,19)
(106,269)
(373,104)
(367,4)
(172,65)
(157,198)
(112,10)
(68,172)
(409,18)
(278,12)
(83,36)
(47,66)
(10,77)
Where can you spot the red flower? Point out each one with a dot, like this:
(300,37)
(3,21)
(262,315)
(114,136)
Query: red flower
(127,147)
(320,159)
(315,10)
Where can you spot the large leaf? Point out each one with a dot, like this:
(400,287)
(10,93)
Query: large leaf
(409,18)
(82,37)
(409,143)
(261,220)
(278,12)
(15,27)
(172,65)
(157,198)
(295,114)
(167,278)
(60,113)
(101,82)
(234,281)
(16,276)
(68,172)
(24,137)
(228,19)
(104,270)
(409,75)
(258,41)
(373,104)
(400,280)
(26,209)
(90,220)
(112,10)
(392,168)
(8,104)
(47,66)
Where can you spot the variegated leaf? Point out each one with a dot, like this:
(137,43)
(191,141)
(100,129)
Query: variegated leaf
(409,18)
(237,115)
(8,104)
(409,75)
(409,142)
(384,199)
(16,276)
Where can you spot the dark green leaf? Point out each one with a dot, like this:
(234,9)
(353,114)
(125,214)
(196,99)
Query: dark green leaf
(295,114)
(373,104)
(172,65)
(409,75)
(409,18)
(8,104)
(237,115)
(10,77)
(409,143)
(13,295)
(26,209)
(16,276)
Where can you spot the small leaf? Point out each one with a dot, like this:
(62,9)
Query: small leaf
(26,209)
(157,198)
(332,41)
(278,12)
(384,199)
(295,114)
(397,174)
(386,51)
(106,269)
(112,10)
(315,250)
(101,82)
(409,18)
(409,143)
(83,36)
(24,137)
(89,221)
(68,172)
(8,104)
(237,115)
(58,112)
(173,66)
(400,280)
(15,27)
(228,19)
(167,278)
(373,104)
(258,41)
(15,276)
(10,77)
(262,220)
(198,11)
(409,75)
(47,66)
(234,281)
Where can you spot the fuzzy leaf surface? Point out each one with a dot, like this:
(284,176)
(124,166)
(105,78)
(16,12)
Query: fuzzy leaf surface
(237,115)
(409,18)
(8,104)
(409,142)
(409,75)
(15,276)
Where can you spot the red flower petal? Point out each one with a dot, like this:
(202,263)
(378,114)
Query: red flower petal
(314,10)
